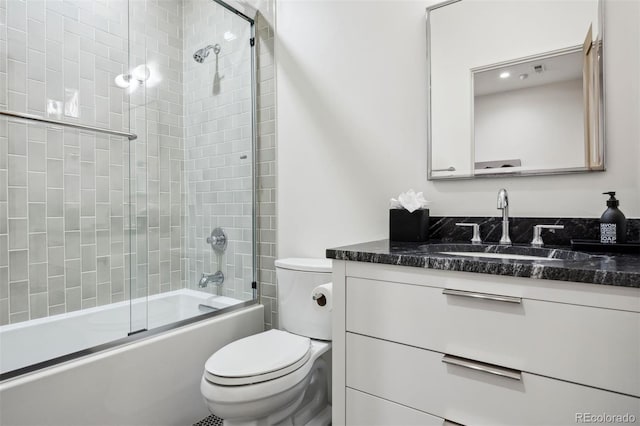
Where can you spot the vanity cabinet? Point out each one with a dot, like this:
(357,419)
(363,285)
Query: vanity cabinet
(420,346)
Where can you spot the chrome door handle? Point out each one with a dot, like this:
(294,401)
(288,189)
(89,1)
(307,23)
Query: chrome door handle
(484,296)
(496,370)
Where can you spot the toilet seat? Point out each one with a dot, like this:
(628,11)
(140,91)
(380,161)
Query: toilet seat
(258,358)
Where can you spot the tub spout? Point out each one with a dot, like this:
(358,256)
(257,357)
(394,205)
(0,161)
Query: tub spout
(217,279)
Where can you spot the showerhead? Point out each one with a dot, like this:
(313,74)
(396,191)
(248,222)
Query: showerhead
(201,54)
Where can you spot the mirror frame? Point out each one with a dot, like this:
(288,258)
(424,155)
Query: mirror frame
(601,113)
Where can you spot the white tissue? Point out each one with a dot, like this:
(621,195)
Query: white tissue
(409,200)
(325,290)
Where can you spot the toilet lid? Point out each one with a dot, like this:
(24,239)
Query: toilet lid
(305,264)
(263,356)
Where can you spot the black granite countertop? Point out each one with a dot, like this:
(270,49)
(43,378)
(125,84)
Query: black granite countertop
(560,263)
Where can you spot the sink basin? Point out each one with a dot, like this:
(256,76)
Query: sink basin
(498,255)
(515,252)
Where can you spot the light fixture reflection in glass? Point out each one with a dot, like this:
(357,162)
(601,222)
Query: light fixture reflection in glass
(71,103)
(54,108)
(505,74)
(228,36)
(139,75)
(122,80)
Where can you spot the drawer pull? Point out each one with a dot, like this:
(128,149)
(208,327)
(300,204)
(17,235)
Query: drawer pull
(485,296)
(450,423)
(481,366)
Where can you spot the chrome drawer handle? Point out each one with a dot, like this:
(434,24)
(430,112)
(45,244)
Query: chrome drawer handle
(496,370)
(485,296)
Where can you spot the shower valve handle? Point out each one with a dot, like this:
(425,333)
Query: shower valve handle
(218,240)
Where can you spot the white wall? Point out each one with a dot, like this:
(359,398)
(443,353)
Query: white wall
(543,126)
(352,129)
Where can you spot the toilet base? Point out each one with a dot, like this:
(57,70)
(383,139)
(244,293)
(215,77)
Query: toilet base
(310,408)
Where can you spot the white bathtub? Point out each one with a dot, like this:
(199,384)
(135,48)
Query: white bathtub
(152,381)
(34,341)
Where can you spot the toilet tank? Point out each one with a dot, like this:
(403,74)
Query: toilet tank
(298,312)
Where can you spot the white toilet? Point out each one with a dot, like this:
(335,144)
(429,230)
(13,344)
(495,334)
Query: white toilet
(277,377)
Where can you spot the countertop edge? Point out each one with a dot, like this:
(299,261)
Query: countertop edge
(519,269)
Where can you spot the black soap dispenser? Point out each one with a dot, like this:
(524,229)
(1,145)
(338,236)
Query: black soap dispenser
(613,224)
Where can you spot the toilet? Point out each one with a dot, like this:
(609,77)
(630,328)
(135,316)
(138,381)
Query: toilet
(278,377)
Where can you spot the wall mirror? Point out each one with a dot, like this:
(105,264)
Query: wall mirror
(515,88)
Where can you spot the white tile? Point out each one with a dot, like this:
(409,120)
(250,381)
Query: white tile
(17,14)
(55,143)
(17,206)
(87,65)
(37,189)
(37,157)
(17,76)
(18,265)
(36,97)
(71,75)
(36,10)
(54,55)
(55,203)
(36,32)
(55,232)
(71,189)
(37,65)
(71,47)
(17,101)
(37,217)
(17,170)
(18,234)
(17,138)
(37,248)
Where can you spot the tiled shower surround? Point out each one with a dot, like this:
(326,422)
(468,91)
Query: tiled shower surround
(64,213)
(218,155)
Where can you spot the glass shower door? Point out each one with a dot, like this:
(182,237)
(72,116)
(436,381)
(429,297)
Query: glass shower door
(219,172)
(65,148)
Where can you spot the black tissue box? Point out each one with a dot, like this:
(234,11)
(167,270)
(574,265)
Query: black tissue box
(405,226)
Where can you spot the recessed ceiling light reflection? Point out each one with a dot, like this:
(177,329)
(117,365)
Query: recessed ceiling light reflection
(505,74)
(228,36)
(138,75)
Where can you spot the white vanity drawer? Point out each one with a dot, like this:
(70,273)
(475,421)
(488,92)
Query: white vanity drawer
(367,410)
(575,343)
(420,379)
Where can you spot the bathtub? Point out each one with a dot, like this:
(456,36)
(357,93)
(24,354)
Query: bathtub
(151,380)
(35,341)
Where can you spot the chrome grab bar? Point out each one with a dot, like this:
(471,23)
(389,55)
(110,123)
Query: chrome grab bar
(22,116)
(496,370)
(484,296)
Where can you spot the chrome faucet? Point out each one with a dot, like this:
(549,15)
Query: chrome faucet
(503,204)
(217,279)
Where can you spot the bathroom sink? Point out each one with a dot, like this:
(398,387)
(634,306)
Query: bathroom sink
(498,255)
(506,252)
